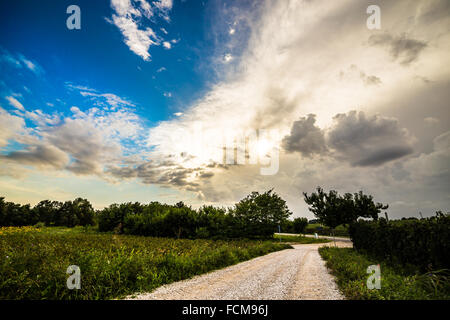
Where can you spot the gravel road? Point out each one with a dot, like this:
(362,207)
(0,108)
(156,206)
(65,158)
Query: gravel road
(291,274)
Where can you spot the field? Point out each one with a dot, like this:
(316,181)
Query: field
(340,231)
(350,267)
(33,261)
(298,239)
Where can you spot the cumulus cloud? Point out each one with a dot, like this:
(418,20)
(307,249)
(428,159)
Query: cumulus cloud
(82,143)
(354,137)
(402,48)
(368,140)
(305,137)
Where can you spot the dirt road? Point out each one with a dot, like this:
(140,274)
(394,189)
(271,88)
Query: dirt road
(297,273)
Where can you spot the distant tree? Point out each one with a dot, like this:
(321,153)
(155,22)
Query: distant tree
(299,225)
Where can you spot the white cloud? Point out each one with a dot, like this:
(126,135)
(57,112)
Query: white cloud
(10,127)
(167,45)
(227,57)
(16,104)
(20,61)
(138,40)
(129,19)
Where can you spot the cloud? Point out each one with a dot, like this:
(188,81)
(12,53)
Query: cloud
(10,127)
(431,120)
(82,143)
(41,156)
(167,45)
(227,57)
(305,137)
(33,66)
(368,141)
(139,41)
(20,61)
(163,7)
(16,104)
(130,21)
(353,137)
(402,48)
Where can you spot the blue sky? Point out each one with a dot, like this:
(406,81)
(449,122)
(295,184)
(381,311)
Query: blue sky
(143,102)
(96,56)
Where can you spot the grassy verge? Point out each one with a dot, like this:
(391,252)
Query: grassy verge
(350,267)
(299,239)
(33,262)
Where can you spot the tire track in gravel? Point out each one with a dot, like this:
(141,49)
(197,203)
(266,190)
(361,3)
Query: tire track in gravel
(298,273)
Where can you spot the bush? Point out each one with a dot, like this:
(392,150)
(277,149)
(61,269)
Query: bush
(424,243)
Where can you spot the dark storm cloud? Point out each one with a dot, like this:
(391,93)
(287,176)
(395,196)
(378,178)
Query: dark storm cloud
(379,157)
(402,48)
(305,137)
(368,141)
(354,137)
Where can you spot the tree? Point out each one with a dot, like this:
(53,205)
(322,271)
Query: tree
(300,225)
(261,213)
(332,209)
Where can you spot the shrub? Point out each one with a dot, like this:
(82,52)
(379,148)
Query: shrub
(424,243)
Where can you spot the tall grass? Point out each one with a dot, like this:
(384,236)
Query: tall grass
(397,283)
(33,262)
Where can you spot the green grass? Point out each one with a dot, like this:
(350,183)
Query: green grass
(299,239)
(350,267)
(340,231)
(33,262)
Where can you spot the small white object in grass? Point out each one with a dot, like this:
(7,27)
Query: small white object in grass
(316,236)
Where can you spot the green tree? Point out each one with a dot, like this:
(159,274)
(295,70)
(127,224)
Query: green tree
(333,210)
(300,224)
(261,213)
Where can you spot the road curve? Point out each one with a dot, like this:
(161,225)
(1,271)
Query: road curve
(290,274)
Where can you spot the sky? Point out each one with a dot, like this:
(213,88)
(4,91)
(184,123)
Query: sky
(207,101)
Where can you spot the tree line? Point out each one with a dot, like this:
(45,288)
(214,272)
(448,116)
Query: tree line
(258,215)
(50,213)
